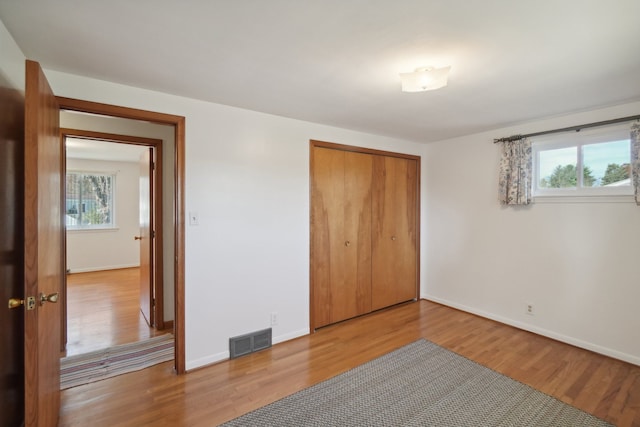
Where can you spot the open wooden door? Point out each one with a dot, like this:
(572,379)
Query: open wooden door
(147,306)
(43,258)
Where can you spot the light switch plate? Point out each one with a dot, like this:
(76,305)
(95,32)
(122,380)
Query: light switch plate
(193,218)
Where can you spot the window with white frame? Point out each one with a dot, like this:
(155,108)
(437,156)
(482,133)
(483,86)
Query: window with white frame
(587,163)
(89,200)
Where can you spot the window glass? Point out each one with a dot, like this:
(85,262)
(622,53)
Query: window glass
(89,200)
(608,163)
(557,168)
(586,163)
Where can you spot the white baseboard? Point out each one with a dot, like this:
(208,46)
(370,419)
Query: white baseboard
(290,336)
(540,331)
(101,268)
(222,356)
(205,361)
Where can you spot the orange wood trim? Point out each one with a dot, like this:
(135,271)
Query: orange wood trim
(116,111)
(179,225)
(356,149)
(312,310)
(110,137)
(418,222)
(179,319)
(63,221)
(168,324)
(158,247)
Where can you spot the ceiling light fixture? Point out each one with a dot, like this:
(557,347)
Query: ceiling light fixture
(424,79)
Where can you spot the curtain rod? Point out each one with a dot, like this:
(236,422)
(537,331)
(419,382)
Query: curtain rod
(568,129)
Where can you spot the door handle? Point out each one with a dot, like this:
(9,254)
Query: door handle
(48,298)
(137,237)
(17,302)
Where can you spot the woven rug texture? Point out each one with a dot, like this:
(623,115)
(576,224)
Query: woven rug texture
(420,384)
(101,364)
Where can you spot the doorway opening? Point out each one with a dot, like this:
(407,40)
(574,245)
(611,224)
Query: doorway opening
(173,206)
(114,288)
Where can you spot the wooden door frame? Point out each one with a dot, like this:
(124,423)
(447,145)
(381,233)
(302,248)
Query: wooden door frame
(355,149)
(156,144)
(178,122)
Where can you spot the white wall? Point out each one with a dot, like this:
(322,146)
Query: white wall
(11,60)
(247,177)
(91,250)
(576,262)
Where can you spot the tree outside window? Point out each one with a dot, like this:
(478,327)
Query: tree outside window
(616,173)
(89,200)
(592,164)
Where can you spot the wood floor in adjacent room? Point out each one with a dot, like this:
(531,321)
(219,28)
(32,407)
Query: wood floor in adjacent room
(607,388)
(103,310)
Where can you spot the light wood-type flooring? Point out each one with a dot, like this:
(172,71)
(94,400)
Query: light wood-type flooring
(605,387)
(103,310)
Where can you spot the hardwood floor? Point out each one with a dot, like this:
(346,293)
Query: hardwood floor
(104,310)
(605,387)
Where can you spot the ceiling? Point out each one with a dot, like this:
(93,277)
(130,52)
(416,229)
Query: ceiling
(80,148)
(336,62)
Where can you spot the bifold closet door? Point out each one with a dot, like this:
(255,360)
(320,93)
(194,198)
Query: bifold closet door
(394,226)
(341,235)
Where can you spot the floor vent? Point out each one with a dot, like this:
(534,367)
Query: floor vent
(249,343)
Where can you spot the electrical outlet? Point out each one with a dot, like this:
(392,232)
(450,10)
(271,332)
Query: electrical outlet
(274,318)
(529,309)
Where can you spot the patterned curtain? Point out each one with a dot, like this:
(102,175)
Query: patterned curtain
(515,172)
(635,159)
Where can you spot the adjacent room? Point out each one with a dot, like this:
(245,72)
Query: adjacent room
(101,177)
(425,210)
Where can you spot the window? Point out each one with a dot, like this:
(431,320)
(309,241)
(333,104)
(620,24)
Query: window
(89,201)
(585,163)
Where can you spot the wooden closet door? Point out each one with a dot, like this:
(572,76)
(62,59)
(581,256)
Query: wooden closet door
(394,250)
(341,235)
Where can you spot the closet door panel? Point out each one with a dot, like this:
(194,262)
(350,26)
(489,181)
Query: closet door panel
(341,235)
(357,214)
(394,250)
(327,223)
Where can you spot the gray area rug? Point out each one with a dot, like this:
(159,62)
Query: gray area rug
(421,384)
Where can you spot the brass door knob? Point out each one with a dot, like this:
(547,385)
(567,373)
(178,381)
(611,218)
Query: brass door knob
(347,243)
(30,302)
(15,302)
(137,237)
(48,298)
(393,238)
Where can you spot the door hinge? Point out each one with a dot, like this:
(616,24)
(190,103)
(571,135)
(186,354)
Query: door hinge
(153,302)
(153,165)
(153,234)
